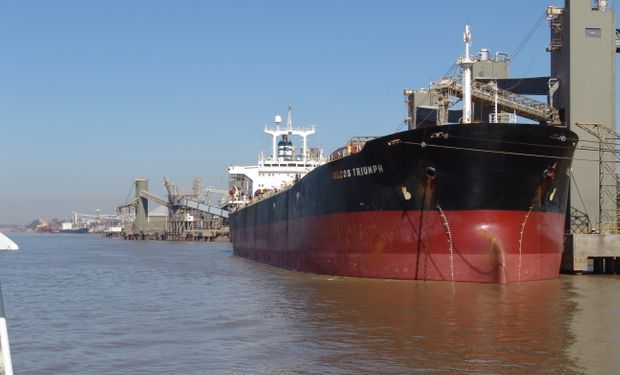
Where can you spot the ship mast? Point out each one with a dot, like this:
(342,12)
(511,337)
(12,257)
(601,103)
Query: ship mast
(289,119)
(289,130)
(466,64)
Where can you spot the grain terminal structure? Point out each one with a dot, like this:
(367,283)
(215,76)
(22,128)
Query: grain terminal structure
(581,95)
(583,47)
(180,217)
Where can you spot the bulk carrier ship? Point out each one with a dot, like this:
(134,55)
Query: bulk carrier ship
(449,199)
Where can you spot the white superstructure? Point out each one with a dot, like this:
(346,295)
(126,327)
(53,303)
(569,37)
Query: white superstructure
(282,168)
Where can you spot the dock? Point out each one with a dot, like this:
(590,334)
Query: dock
(179,217)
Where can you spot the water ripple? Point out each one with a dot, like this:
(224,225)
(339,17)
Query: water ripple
(86,305)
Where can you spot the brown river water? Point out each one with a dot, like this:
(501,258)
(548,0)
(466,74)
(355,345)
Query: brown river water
(81,304)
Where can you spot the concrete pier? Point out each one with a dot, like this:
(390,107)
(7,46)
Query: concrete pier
(598,253)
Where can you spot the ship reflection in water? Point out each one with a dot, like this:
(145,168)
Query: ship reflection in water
(126,307)
(404,327)
(567,325)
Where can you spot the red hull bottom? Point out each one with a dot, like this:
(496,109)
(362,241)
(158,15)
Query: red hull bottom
(474,246)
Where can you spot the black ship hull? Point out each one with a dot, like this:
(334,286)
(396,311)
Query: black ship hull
(477,202)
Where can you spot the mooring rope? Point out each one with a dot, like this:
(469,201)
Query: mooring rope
(424,144)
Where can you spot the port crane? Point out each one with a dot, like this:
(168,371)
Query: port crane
(175,199)
(490,94)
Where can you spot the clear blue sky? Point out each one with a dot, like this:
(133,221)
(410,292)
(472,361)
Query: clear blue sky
(96,93)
